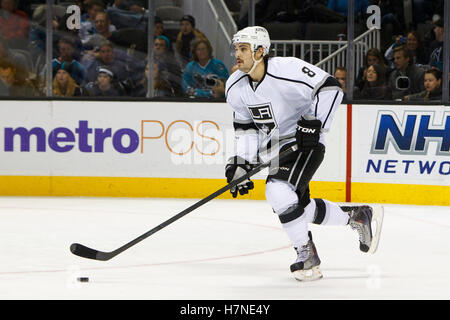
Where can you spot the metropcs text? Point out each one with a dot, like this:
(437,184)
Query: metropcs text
(226,309)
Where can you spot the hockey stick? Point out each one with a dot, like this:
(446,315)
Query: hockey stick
(85,252)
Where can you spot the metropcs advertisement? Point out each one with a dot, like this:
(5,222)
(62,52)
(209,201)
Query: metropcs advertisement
(123,139)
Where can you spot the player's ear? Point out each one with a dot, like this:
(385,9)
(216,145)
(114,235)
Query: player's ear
(259,53)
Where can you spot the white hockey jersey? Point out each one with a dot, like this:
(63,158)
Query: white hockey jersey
(266,113)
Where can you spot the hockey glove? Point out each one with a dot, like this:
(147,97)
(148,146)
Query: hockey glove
(308,133)
(236,168)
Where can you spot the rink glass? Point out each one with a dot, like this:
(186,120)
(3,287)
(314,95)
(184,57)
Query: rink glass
(312,33)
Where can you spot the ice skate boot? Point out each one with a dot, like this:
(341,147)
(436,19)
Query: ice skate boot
(361,218)
(306,267)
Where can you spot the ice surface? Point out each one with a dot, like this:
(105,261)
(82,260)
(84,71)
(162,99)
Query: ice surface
(226,249)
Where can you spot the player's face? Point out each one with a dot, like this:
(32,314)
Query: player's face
(243,55)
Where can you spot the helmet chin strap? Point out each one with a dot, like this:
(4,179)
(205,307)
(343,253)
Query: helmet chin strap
(255,63)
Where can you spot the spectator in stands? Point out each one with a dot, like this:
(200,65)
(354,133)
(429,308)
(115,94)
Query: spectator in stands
(341,75)
(169,69)
(373,56)
(205,76)
(37,45)
(161,87)
(375,86)
(87,29)
(159,27)
(407,78)
(14,24)
(103,30)
(66,54)
(185,38)
(63,84)
(433,87)
(109,57)
(413,43)
(14,81)
(436,57)
(6,52)
(105,85)
(62,31)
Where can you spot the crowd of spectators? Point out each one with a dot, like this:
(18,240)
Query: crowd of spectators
(410,46)
(407,71)
(411,66)
(106,55)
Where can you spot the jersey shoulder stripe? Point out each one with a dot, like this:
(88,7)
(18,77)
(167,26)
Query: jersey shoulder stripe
(292,80)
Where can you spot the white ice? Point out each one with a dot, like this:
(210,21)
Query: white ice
(226,249)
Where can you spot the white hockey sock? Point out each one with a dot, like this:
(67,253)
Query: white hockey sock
(329,214)
(297,231)
(294,219)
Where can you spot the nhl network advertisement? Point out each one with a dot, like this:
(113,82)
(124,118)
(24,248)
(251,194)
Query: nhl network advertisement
(401,144)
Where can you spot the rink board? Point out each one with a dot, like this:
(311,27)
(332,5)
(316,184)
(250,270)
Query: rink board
(168,149)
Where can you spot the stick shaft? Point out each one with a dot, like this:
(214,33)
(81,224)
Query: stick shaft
(98,255)
(204,200)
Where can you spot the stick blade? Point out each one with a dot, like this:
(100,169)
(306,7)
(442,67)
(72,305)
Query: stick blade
(86,252)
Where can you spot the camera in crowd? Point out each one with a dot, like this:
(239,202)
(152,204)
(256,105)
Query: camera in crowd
(402,83)
(205,81)
(210,81)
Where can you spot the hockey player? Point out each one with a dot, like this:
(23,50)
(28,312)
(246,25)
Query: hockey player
(278,102)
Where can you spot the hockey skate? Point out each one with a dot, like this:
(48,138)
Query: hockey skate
(306,267)
(361,219)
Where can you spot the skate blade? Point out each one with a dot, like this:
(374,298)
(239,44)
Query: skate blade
(377,218)
(308,275)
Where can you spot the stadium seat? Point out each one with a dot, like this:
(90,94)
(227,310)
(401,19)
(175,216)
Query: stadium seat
(169,13)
